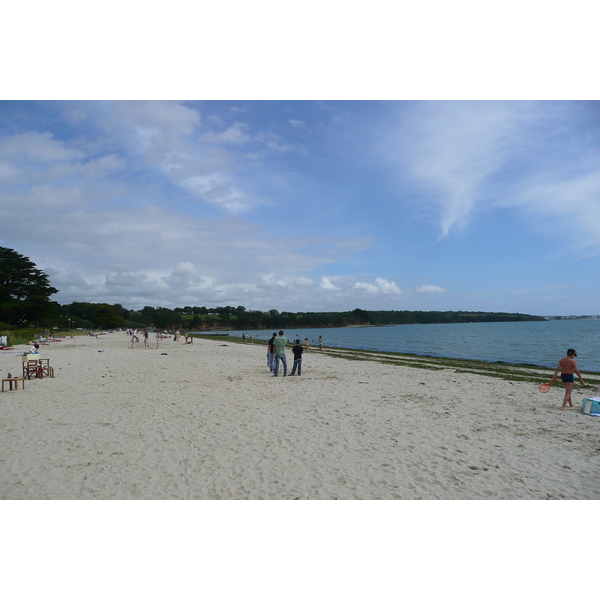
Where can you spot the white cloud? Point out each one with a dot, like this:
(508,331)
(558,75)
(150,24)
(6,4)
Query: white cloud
(387,287)
(147,129)
(184,275)
(369,287)
(327,285)
(429,289)
(8,173)
(287,281)
(169,119)
(303,281)
(37,147)
(68,281)
(276,143)
(217,189)
(234,135)
(272,280)
(297,123)
(381,286)
(55,197)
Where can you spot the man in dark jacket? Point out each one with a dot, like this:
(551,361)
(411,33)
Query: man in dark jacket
(297,350)
(271,351)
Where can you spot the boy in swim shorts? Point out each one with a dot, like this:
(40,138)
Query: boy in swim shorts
(567,367)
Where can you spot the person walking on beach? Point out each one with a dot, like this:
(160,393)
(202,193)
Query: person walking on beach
(567,367)
(279,343)
(307,344)
(297,350)
(271,352)
(146,338)
(320,342)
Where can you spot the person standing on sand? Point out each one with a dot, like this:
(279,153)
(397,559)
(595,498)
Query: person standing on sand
(279,344)
(297,350)
(271,352)
(567,367)
(320,342)
(307,344)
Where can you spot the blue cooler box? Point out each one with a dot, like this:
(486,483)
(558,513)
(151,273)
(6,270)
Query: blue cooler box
(591,406)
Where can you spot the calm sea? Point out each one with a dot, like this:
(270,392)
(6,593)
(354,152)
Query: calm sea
(541,343)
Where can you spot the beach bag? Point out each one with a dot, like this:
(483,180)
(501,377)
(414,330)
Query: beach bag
(591,406)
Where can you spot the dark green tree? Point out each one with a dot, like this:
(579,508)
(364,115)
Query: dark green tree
(24,290)
(148,314)
(361,315)
(105,316)
(166,318)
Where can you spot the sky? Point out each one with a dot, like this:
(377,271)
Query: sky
(362,160)
(308,205)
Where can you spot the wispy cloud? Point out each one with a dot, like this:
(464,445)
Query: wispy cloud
(429,289)
(236,134)
(454,151)
(564,202)
(381,286)
(37,147)
(469,157)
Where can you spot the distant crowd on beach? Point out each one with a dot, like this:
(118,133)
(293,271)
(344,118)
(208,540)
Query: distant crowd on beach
(135,335)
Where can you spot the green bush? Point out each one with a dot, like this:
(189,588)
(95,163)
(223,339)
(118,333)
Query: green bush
(17,337)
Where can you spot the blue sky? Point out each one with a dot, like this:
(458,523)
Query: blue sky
(308,205)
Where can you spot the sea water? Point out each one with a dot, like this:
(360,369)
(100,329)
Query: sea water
(541,343)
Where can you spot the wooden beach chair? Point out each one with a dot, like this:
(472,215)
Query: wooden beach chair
(45,367)
(32,368)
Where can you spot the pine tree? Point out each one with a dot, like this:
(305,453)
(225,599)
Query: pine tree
(24,290)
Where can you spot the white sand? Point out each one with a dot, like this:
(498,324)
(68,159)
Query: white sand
(208,421)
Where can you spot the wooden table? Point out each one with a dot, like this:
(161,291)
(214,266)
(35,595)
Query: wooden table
(16,381)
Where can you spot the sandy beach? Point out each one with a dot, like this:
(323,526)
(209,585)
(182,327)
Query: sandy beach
(208,421)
